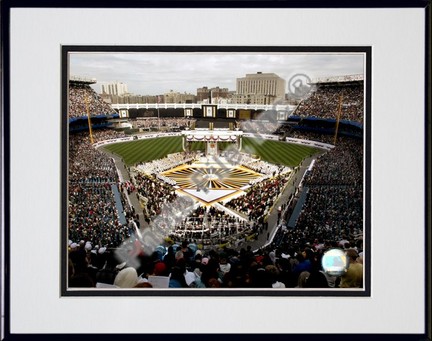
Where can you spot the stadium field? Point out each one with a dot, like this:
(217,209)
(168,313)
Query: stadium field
(271,151)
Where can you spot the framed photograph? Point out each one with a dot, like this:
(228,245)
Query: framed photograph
(234,170)
(202,191)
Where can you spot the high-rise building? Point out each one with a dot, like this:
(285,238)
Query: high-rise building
(118,89)
(260,88)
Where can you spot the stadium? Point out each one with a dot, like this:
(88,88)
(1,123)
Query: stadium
(215,196)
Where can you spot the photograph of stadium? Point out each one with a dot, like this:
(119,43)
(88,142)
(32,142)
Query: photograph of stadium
(203,172)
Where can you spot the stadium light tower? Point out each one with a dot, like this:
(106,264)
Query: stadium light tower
(337,120)
(88,119)
(158,104)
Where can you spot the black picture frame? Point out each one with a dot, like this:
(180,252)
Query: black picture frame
(7,228)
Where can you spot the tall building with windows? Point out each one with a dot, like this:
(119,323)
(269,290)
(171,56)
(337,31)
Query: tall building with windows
(203,94)
(260,88)
(211,95)
(117,89)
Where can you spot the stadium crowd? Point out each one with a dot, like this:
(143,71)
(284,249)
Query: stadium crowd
(257,126)
(295,262)
(264,167)
(236,158)
(82,98)
(164,123)
(87,164)
(170,161)
(334,201)
(287,131)
(259,199)
(93,215)
(153,192)
(107,134)
(211,226)
(324,103)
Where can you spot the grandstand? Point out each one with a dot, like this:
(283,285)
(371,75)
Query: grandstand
(269,221)
(333,99)
(85,102)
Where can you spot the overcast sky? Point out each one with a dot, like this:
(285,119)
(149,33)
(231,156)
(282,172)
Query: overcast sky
(158,73)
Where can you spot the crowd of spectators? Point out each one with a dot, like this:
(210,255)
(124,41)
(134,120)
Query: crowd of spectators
(83,100)
(236,158)
(173,160)
(334,200)
(324,103)
(342,165)
(258,126)
(264,167)
(165,123)
(259,199)
(107,134)
(324,138)
(268,170)
(92,213)
(166,179)
(295,262)
(212,226)
(288,132)
(87,164)
(153,193)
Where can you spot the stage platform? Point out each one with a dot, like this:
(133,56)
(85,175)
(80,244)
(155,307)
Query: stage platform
(211,179)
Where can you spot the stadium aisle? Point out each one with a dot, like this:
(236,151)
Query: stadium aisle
(125,174)
(119,205)
(273,217)
(297,209)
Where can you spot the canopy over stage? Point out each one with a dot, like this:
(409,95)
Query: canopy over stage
(211,137)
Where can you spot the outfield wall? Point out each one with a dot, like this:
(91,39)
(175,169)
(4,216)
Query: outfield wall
(291,140)
(135,138)
(252,135)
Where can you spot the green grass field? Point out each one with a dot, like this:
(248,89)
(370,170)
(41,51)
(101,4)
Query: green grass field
(271,151)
